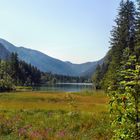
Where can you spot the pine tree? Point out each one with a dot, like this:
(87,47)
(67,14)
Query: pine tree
(125,96)
(137,48)
(96,78)
(123,35)
(14,67)
(6,82)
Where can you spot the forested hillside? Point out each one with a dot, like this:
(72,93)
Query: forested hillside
(15,72)
(119,75)
(49,64)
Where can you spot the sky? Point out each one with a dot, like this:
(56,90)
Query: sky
(70,30)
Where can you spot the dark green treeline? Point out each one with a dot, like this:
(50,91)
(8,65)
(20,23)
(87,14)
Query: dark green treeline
(14,72)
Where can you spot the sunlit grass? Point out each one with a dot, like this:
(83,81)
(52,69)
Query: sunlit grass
(48,101)
(54,116)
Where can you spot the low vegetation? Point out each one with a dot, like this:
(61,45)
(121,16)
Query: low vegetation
(42,116)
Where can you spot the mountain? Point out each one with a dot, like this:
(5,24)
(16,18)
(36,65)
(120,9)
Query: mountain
(4,53)
(90,70)
(48,64)
(85,69)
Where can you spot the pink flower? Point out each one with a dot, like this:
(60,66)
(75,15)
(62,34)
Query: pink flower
(22,132)
(61,133)
(35,134)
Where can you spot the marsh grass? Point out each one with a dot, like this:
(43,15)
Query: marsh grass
(42,116)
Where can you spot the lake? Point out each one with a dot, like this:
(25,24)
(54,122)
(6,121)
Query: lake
(65,87)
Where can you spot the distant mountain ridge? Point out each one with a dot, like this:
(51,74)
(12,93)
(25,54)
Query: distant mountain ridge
(48,64)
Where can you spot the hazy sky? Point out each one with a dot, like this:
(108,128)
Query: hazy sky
(70,30)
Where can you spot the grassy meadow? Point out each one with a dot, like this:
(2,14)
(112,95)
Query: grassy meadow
(54,116)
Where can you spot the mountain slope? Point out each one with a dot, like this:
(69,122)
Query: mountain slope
(85,69)
(89,72)
(48,64)
(4,53)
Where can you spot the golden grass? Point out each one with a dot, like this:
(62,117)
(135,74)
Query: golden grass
(61,115)
(53,101)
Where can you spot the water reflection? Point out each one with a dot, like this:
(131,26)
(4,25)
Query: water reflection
(65,87)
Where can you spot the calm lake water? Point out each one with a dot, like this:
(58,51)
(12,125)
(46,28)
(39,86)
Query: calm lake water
(66,87)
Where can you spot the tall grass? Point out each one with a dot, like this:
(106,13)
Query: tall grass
(42,116)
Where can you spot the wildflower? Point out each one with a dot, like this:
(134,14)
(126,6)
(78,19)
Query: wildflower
(61,133)
(35,135)
(22,132)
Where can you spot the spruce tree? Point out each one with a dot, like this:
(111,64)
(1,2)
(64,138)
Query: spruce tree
(122,37)
(137,48)
(125,95)
(96,78)
(14,66)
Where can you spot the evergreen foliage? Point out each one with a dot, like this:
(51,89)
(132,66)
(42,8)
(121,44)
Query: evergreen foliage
(122,36)
(125,98)
(6,82)
(14,72)
(121,76)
